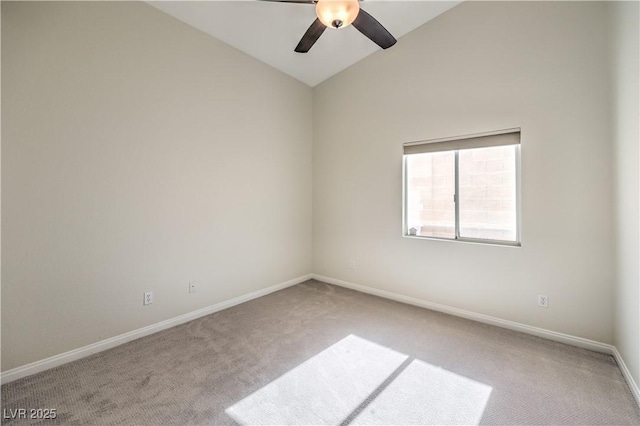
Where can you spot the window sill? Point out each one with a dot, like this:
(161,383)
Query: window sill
(468,240)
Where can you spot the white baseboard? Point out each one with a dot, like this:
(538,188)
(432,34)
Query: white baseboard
(635,390)
(511,325)
(57,360)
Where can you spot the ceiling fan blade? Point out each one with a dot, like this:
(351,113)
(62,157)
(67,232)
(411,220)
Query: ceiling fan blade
(292,1)
(310,37)
(370,27)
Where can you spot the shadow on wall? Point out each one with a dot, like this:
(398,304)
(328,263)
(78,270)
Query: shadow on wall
(356,381)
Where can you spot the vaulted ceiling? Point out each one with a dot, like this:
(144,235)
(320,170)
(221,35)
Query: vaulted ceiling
(269,31)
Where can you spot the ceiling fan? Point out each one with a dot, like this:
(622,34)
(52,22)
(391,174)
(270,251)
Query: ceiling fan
(340,14)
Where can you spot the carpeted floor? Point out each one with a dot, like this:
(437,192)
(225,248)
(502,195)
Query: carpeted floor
(319,354)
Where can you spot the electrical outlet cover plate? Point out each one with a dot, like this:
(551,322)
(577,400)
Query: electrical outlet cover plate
(543,301)
(192,287)
(148,298)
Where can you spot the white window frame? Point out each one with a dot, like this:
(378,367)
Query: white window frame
(457,237)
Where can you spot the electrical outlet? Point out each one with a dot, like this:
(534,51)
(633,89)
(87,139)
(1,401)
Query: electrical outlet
(192,286)
(543,301)
(148,298)
(352,264)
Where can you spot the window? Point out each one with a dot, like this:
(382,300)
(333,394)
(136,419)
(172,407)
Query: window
(463,188)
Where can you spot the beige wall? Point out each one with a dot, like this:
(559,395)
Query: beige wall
(541,66)
(140,154)
(625,43)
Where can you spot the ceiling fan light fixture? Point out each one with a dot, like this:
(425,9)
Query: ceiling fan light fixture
(337,13)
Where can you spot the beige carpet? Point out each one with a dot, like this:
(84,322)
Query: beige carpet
(319,354)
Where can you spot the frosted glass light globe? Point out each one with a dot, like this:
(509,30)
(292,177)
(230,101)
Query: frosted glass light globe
(337,13)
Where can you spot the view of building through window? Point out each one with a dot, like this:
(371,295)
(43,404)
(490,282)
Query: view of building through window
(486,194)
(431,209)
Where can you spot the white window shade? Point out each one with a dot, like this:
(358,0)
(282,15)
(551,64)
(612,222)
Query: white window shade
(484,140)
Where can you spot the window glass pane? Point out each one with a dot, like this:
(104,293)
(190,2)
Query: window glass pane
(487,191)
(430,189)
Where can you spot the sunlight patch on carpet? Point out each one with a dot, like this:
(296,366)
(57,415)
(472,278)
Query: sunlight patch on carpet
(361,382)
(324,389)
(424,394)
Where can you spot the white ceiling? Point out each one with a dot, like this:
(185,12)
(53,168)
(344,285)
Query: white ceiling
(269,31)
